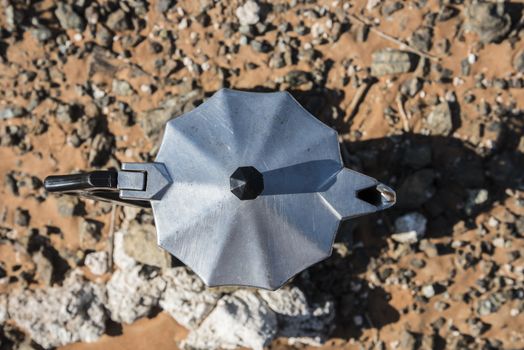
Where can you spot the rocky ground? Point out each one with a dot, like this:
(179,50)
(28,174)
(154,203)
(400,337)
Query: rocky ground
(428,97)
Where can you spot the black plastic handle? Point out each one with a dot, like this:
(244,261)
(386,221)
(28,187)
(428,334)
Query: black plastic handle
(95,180)
(101,185)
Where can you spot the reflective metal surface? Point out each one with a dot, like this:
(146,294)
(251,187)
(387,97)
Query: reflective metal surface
(290,225)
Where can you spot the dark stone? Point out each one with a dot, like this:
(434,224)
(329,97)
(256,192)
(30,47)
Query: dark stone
(488,20)
(422,39)
(69,206)
(518,61)
(418,157)
(446,13)
(391,8)
(68,18)
(439,121)
(118,21)
(417,189)
(22,217)
(246,183)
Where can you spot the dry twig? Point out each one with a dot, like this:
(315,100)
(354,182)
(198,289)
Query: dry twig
(405,118)
(402,44)
(357,99)
(112,235)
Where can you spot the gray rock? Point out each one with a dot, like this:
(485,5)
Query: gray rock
(186,298)
(417,189)
(118,21)
(299,320)
(89,233)
(58,316)
(69,205)
(248,14)
(41,33)
(140,244)
(439,121)
(390,61)
(97,262)
(411,87)
(518,62)
(408,341)
(133,293)
(476,326)
(44,268)
(430,249)
(122,88)
(421,39)
(164,5)
(490,304)
(392,7)
(86,127)
(488,20)
(68,18)
(3,308)
(154,121)
(440,305)
(296,78)
(476,197)
(64,114)
(100,149)
(11,112)
(409,228)
(22,217)
(241,319)
(260,46)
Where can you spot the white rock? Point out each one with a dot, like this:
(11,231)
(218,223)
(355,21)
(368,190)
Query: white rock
(3,308)
(120,257)
(299,320)
(493,222)
(409,228)
(371,4)
(241,319)
(248,13)
(61,315)
(97,262)
(186,298)
(428,291)
(499,242)
(133,293)
(405,237)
